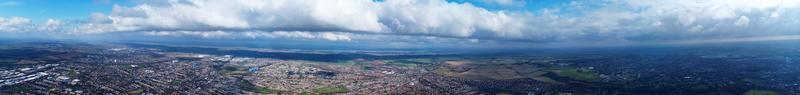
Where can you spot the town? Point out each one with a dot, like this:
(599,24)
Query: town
(109,69)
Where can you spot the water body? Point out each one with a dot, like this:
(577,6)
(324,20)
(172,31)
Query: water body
(333,57)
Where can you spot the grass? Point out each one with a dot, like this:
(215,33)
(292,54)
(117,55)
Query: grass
(422,60)
(72,73)
(265,90)
(331,90)
(306,93)
(760,92)
(175,82)
(367,68)
(136,91)
(700,87)
(232,70)
(402,63)
(247,86)
(7,61)
(583,75)
(346,63)
(125,66)
(443,71)
(17,89)
(229,68)
(415,60)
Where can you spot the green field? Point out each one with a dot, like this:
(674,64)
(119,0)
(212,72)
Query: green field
(175,82)
(577,74)
(20,89)
(331,90)
(402,64)
(266,90)
(234,70)
(7,61)
(760,92)
(345,63)
(136,91)
(247,86)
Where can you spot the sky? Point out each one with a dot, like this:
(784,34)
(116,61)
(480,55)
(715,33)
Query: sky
(491,24)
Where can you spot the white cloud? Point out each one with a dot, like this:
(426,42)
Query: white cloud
(744,39)
(742,22)
(287,34)
(407,17)
(441,18)
(14,21)
(21,24)
(335,37)
(51,25)
(330,36)
(53,22)
(348,20)
(204,34)
(648,20)
(346,15)
(14,24)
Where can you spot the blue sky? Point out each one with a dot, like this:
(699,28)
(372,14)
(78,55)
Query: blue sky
(412,23)
(41,10)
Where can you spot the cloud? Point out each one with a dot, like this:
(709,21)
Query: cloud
(21,24)
(53,22)
(52,25)
(643,20)
(416,20)
(729,40)
(441,18)
(14,21)
(344,15)
(14,24)
(204,34)
(742,22)
(402,17)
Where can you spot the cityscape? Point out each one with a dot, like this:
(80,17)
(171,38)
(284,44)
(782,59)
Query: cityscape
(76,68)
(399,47)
